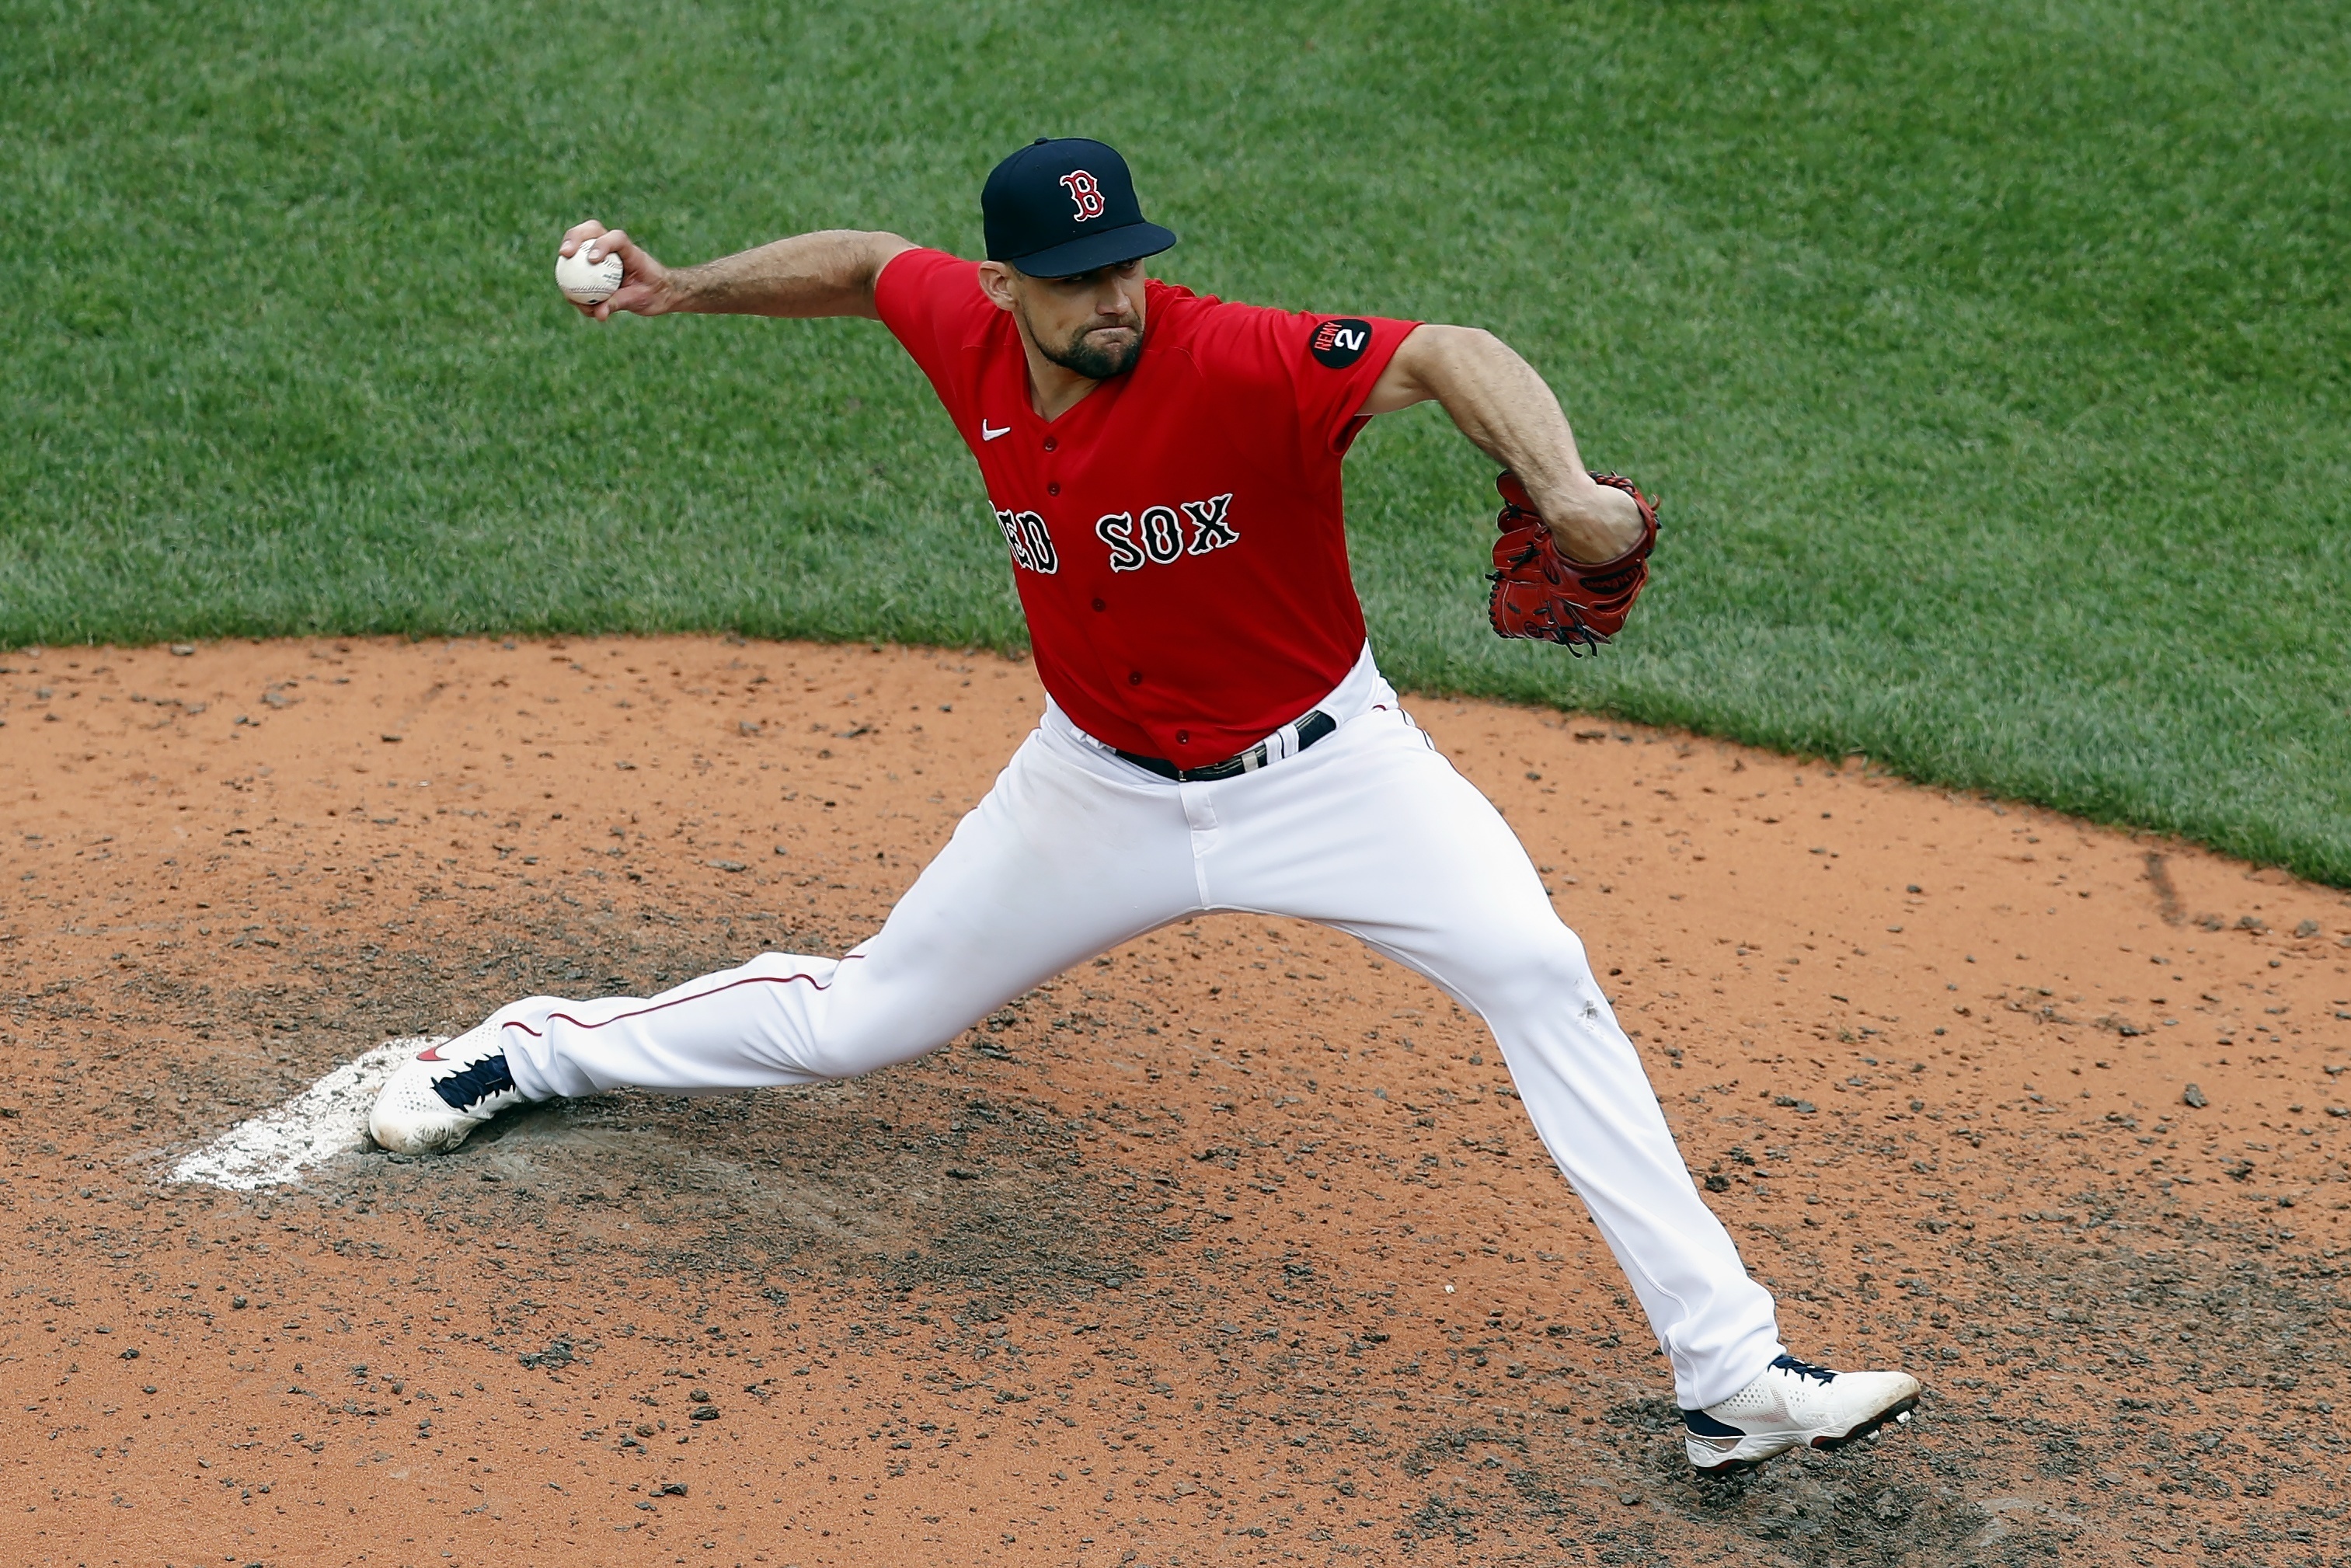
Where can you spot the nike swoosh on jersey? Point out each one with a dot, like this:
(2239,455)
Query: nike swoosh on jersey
(987,434)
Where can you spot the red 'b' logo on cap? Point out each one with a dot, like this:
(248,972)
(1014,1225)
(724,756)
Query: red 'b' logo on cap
(1085,193)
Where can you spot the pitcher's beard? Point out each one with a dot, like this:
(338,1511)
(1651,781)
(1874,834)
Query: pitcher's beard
(1092,361)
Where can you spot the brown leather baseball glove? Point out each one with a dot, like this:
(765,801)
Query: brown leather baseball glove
(1540,591)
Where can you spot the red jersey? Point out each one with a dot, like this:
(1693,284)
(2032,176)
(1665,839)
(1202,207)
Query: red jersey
(1177,536)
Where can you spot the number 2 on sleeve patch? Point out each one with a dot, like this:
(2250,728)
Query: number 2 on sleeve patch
(1341,342)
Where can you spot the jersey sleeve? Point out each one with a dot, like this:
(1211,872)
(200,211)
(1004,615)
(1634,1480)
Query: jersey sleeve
(932,304)
(1317,368)
(1333,362)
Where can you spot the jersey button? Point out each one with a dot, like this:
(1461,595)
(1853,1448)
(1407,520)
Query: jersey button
(1053,489)
(1135,677)
(1051,444)
(1100,605)
(1183,737)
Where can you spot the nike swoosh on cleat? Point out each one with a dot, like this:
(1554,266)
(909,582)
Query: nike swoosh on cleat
(987,434)
(432,1053)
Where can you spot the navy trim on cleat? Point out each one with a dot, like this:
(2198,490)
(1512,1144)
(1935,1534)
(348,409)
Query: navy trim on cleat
(1794,1368)
(1793,1405)
(434,1101)
(1706,1426)
(463,1090)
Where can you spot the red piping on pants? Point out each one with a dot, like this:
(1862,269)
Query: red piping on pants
(679,1001)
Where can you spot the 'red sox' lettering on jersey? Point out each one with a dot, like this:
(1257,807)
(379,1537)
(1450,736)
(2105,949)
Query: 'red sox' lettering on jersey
(1178,536)
(1161,537)
(1032,541)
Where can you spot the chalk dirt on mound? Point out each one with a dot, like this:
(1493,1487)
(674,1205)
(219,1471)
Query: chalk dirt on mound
(1234,1243)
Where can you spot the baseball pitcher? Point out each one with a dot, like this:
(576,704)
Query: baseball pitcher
(1165,468)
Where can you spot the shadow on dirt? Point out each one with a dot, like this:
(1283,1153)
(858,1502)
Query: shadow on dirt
(1636,1502)
(912,1176)
(900,1177)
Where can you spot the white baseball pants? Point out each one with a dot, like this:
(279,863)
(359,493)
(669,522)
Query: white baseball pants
(1076,851)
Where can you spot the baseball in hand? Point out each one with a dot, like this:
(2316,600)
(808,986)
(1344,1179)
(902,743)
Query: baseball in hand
(586,282)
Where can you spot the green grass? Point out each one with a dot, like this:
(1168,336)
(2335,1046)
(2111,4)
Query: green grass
(1991,358)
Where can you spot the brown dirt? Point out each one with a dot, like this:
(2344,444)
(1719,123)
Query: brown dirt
(1232,1244)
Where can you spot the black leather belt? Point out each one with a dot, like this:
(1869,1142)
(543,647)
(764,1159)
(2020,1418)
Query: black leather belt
(1305,731)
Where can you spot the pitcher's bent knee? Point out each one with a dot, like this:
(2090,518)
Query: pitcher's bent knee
(1525,968)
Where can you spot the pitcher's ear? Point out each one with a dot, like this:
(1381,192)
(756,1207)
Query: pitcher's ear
(996,282)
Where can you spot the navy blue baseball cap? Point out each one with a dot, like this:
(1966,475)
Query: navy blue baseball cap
(1059,207)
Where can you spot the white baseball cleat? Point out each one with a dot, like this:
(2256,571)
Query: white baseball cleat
(1795,1405)
(437,1097)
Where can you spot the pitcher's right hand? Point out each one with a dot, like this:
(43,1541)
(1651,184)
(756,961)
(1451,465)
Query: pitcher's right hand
(644,282)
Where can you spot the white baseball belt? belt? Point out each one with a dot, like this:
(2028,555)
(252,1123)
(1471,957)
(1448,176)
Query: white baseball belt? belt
(1362,691)
(1288,741)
